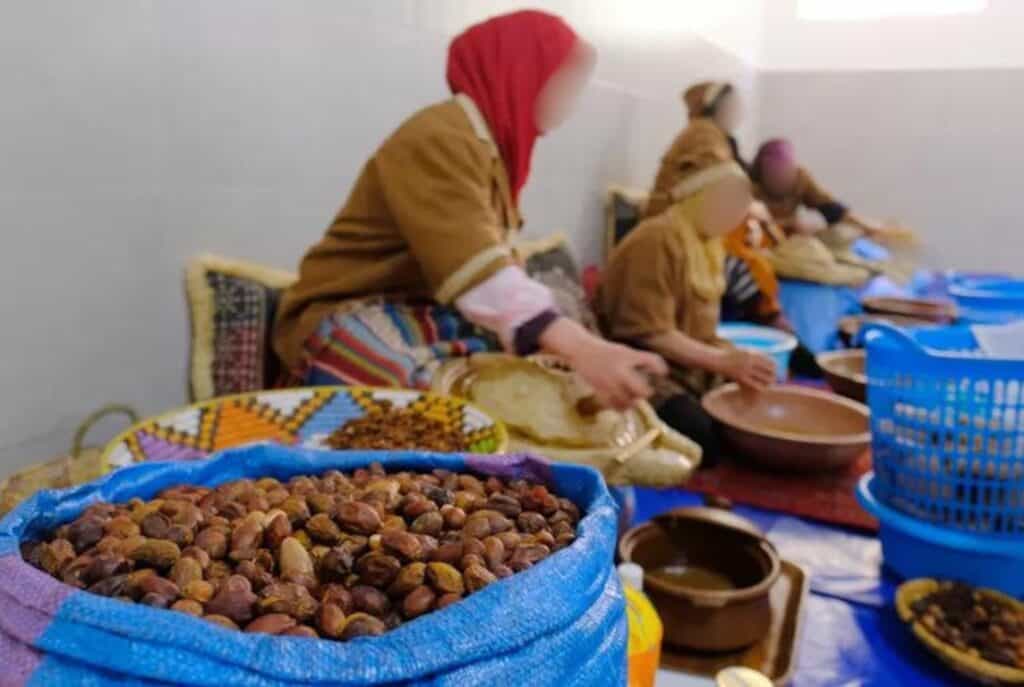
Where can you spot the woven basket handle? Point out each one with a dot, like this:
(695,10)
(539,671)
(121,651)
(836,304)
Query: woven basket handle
(91,421)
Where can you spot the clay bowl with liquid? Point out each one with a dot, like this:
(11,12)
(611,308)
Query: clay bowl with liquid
(844,372)
(790,428)
(932,310)
(709,574)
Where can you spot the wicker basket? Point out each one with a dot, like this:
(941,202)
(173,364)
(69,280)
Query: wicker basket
(81,465)
(647,452)
(982,671)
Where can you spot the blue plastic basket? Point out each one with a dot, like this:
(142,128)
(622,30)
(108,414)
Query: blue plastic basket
(774,343)
(988,300)
(912,548)
(947,430)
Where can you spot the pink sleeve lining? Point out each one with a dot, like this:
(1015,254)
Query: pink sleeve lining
(504,302)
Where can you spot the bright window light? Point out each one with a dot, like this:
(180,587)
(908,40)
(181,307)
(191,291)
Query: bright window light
(859,10)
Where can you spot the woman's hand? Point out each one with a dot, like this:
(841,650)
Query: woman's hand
(616,373)
(749,369)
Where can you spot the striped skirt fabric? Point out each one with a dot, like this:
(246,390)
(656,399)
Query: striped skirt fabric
(390,344)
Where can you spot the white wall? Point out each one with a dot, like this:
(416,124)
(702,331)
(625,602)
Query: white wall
(915,119)
(973,40)
(136,133)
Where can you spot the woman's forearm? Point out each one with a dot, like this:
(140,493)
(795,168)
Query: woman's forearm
(686,351)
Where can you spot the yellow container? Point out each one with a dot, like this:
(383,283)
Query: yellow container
(645,629)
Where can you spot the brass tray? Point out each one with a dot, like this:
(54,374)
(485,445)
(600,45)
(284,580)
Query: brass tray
(775,655)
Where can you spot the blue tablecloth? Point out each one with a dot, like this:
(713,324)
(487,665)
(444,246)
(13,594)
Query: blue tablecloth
(851,635)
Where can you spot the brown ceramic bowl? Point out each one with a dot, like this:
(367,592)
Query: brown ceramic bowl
(790,427)
(715,540)
(844,372)
(918,308)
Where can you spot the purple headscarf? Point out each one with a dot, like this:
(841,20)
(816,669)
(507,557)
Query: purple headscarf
(774,154)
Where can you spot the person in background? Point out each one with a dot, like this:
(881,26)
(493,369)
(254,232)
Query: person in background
(416,268)
(663,284)
(784,187)
(752,287)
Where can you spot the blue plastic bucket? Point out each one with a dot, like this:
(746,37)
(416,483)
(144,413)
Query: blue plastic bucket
(913,548)
(988,300)
(774,343)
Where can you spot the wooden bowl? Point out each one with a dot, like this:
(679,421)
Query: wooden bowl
(790,428)
(844,372)
(714,540)
(919,308)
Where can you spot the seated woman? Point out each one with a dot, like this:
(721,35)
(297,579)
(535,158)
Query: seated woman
(663,285)
(785,187)
(416,267)
(752,288)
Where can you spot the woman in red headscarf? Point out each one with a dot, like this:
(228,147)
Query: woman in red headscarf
(416,268)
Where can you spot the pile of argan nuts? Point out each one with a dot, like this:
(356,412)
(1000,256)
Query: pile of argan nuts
(336,556)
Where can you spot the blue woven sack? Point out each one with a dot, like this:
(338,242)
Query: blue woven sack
(562,622)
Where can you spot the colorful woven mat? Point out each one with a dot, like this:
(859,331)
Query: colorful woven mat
(292,417)
(828,496)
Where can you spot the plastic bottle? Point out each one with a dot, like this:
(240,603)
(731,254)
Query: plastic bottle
(645,630)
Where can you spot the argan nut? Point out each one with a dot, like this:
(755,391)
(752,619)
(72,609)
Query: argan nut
(234,600)
(525,556)
(304,631)
(156,553)
(508,506)
(85,532)
(419,601)
(186,570)
(331,620)
(199,590)
(297,510)
(409,577)
(271,624)
(294,558)
(477,577)
(321,528)
(446,600)
(189,607)
(494,553)
(404,544)
(154,600)
(431,522)
(214,541)
(378,569)
(155,525)
(531,522)
(448,552)
(370,600)
(337,595)
(454,517)
(445,578)
(358,517)
(221,620)
(277,530)
(362,625)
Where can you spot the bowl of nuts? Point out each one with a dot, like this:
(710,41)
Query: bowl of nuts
(316,417)
(978,632)
(301,544)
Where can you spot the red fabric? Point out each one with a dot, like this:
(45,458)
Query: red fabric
(829,497)
(502,64)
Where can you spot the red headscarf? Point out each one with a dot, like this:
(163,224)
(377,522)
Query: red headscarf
(502,64)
